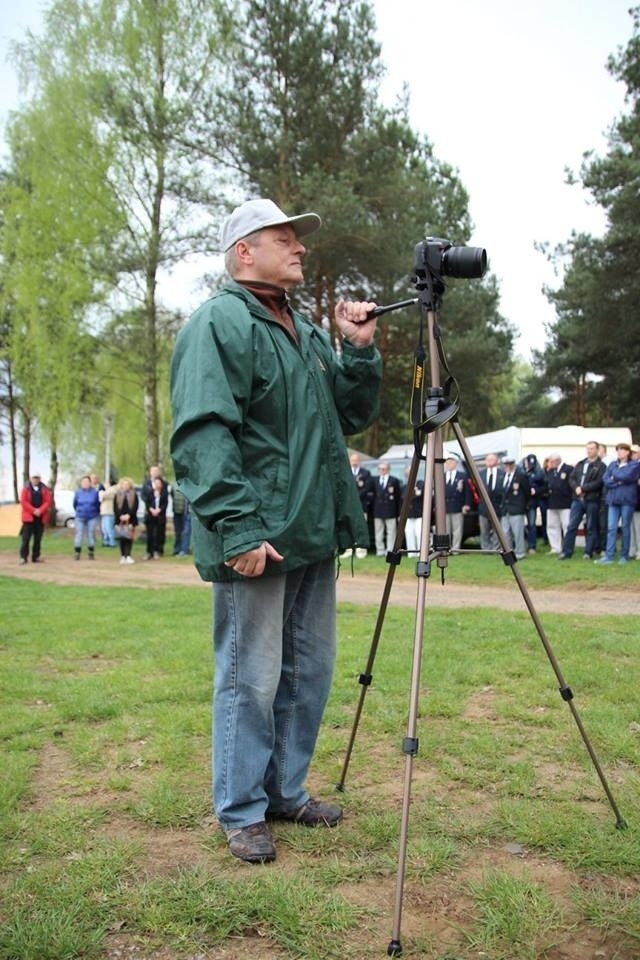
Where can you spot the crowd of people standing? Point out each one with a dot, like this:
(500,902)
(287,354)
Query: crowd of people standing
(116,514)
(550,502)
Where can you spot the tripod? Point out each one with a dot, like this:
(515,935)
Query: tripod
(440,409)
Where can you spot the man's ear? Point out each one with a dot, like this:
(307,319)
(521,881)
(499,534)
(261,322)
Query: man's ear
(244,252)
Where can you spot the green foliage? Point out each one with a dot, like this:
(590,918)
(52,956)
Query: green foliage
(107,190)
(593,355)
(314,136)
(52,245)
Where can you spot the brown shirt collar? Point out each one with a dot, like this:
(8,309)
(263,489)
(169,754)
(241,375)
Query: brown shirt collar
(275,299)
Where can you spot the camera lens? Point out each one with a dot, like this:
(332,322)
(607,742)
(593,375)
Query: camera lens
(464,262)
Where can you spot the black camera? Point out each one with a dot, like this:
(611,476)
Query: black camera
(441,259)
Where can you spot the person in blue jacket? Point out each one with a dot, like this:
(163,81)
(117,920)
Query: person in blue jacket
(621,491)
(86,503)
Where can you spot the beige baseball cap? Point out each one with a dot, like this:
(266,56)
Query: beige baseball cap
(256,215)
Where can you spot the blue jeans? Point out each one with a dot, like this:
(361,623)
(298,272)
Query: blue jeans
(580,508)
(274,643)
(182,533)
(532,533)
(108,528)
(88,526)
(185,539)
(624,514)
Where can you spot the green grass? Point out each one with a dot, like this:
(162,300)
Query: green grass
(540,571)
(107,839)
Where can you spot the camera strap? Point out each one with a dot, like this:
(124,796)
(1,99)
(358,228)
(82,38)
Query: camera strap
(419,377)
(431,410)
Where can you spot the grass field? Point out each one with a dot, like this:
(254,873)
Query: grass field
(110,850)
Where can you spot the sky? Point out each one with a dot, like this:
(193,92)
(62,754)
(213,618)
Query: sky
(510,94)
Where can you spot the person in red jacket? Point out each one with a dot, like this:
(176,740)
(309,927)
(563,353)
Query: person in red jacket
(35,500)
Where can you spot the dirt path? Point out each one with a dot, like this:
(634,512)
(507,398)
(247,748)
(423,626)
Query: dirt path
(361,588)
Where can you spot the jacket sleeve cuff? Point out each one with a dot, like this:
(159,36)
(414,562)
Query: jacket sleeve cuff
(362,353)
(239,536)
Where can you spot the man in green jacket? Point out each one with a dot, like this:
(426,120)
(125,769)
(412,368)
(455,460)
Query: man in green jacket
(261,401)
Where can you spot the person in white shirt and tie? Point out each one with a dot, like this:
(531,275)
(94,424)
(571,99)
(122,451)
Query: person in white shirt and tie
(515,493)
(364,482)
(457,497)
(491,477)
(386,508)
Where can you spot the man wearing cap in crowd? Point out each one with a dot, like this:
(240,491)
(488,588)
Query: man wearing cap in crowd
(457,497)
(35,501)
(260,404)
(513,508)
(538,496)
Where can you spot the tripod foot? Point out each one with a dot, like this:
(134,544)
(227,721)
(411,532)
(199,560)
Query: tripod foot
(340,787)
(621,824)
(394,949)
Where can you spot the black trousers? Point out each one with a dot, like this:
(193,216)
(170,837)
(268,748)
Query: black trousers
(34,529)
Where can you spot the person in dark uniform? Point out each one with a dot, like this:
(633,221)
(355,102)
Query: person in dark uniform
(364,483)
(491,476)
(413,528)
(538,499)
(457,497)
(559,502)
(513,509)
(386,508)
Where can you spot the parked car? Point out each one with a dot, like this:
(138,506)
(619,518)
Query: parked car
(65,514)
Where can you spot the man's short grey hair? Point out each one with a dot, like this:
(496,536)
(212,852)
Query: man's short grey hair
(555,455)
(231,262)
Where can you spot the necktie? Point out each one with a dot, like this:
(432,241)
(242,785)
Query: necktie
(507,481)
(491,480)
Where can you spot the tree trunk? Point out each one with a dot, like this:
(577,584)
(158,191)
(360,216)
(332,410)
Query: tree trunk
(13,433)
(581,413)
(26,448)
(54,465)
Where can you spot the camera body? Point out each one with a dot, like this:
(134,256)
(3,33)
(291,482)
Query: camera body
(440,258)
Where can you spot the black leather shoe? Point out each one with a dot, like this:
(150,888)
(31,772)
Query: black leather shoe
(313,813)
(252,844)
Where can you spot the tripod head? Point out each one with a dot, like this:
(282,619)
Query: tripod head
(435,258)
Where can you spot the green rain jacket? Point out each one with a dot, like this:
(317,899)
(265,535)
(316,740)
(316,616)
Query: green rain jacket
(258,444)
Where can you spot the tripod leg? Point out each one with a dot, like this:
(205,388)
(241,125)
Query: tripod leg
(410,742)
(510,560)
(393,559)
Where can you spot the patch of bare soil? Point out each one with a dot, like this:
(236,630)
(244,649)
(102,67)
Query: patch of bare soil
(361,588)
